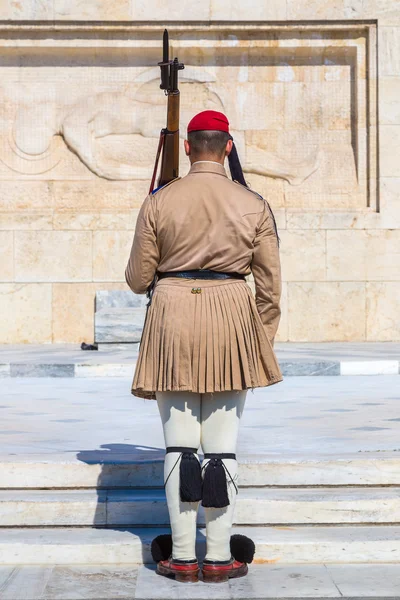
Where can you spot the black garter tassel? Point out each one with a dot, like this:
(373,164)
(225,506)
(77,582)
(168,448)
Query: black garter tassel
(190,479)
(215,488)
(190,487)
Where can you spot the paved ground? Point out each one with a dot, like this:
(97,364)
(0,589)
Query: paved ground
(301,416)
(266,582)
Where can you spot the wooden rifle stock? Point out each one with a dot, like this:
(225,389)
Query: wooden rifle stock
(170,155)
(169,137)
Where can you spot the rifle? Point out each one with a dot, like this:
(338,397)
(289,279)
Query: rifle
(169,136)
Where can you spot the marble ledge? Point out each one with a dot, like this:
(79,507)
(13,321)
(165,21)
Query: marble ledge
(289,368)
(41,370)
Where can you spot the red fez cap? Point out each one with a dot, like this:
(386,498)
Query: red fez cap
(209,119)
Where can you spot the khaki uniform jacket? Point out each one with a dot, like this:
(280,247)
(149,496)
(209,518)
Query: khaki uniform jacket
(206,221)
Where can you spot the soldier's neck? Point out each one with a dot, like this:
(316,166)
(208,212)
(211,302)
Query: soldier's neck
(203,160)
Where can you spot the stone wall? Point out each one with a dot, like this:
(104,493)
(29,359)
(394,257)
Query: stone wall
(312,91)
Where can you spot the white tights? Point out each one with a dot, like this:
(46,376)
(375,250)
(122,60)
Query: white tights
(213,420)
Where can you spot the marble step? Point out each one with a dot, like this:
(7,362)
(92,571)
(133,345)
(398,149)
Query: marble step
(295,544)
(112,325)
(254,506)
(56,471)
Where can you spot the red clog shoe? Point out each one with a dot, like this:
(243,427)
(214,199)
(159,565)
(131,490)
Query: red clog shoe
(185,571)
(215,571)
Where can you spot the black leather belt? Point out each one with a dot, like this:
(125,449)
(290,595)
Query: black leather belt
(200,274)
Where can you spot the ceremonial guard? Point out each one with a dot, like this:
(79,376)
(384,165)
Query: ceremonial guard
(206,339)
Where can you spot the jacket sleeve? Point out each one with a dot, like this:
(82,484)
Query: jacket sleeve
(266,269)
(144,257)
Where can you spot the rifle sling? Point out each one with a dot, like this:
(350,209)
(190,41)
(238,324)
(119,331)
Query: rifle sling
(160,147)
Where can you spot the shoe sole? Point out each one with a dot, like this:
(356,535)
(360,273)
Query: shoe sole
(212,577)
(191,577)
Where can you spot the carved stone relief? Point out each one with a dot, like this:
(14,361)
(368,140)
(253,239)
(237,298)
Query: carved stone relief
(297,105)
(115,114)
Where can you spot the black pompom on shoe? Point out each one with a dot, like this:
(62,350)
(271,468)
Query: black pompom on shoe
(242,548)
(161,547)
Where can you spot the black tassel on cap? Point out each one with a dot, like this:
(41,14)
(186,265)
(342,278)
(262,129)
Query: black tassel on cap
(235,167)
(191,482)
(242,548)
(161,547)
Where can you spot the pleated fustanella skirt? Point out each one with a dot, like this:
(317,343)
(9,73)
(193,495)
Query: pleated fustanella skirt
(208,341)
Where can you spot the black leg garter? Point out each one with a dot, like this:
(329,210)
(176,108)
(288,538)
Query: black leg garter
(190,479)
(215,489)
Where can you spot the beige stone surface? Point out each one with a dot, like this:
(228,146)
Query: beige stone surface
(280,217)
(80,196)
(303,255)
(24,219)
(343,201)
(390,201)
(73,307)
(124,219)
(325,9)
(363,255)
(389,142)
(386,11)
(28,313)
(7,256)
(252,10)
(389,100)
(389,51)
(188,10)
(110,254)
(26,9)
(383,301)
(96,10)
(20,196)
(335,219)
(333,184)
(326,311)
(53,256)
(269,188)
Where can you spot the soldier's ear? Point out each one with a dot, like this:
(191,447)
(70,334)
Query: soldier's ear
(228,148)
(187,147)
